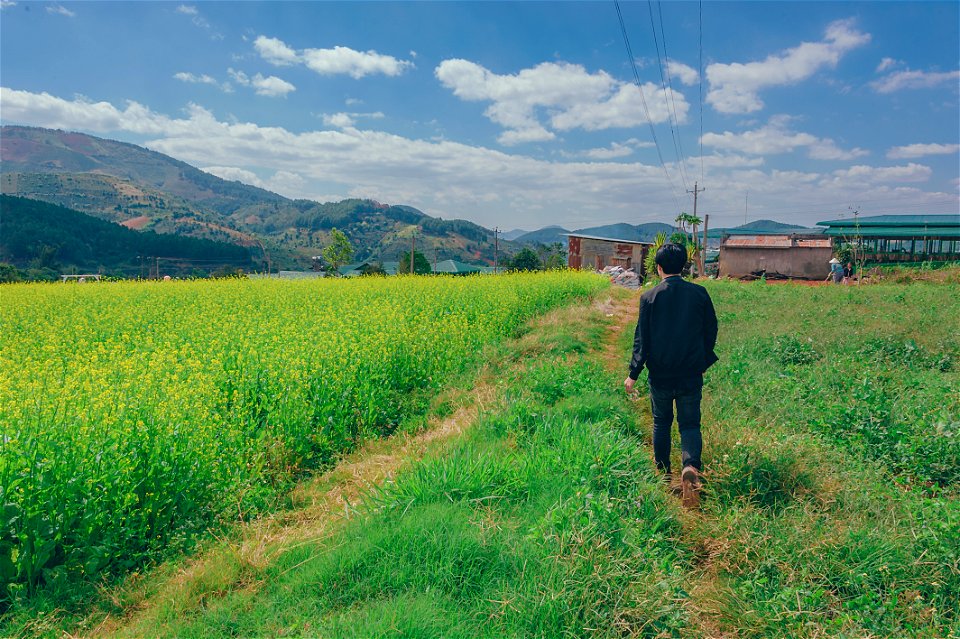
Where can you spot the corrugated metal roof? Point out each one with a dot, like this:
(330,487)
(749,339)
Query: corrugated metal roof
(607,239)
(452,266)
(901,232)
(897,220)
(758,241)
(776,241)
(818,243)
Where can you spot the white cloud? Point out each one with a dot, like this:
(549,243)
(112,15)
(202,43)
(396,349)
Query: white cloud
(286,183)
(344,120)
(826,149)
(61,10)
(915,80)
(885,64)
(615,150)
(335,61)
(911,151)
(458,180)
(776,137)
(339,120)
(356,64)
(234,174)
(198,20)
(734,87)
(687,75)
(43,109)
(191,78)
(6,4)
(911,172)
(270,86)
(722,161)
(571,98)
(275,51)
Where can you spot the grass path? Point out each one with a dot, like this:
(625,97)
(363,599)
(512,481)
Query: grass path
(318,507)
(703,580)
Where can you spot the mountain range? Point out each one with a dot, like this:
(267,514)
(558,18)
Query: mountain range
(142,189)
(145,190)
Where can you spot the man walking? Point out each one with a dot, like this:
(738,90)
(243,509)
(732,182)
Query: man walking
(675,337)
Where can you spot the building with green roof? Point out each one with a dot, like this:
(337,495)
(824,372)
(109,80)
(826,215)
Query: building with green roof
(900,238)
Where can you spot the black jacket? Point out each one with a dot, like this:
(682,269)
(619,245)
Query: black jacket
(676,332)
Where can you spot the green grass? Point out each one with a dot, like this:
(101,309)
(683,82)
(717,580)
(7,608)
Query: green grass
(832,447)
(137,416)
(830,505)
(543,519)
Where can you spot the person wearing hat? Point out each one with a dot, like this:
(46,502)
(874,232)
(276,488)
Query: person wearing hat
(836,271)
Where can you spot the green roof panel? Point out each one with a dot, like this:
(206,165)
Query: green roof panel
(894,232)
(907,221)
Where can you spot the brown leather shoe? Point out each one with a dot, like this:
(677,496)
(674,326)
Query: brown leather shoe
(690,487)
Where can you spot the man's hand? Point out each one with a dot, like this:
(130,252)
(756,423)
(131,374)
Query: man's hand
(628,384)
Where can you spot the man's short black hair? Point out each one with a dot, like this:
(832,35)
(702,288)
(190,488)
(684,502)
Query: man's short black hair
(671,258)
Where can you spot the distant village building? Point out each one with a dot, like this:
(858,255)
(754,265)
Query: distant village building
(795,256)
(453,267)
(900,238)
(588,251)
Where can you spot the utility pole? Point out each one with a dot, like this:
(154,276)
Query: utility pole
(703,259)
(696,191)
(746,198)
(413,250)
(496,249)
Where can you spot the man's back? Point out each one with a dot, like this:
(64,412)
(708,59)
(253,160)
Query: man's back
(676,332)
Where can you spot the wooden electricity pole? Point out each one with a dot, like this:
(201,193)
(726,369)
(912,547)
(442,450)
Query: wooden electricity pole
(696,191)
(496,249)
(703,259)
(413,250)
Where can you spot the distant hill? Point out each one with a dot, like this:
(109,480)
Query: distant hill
(546,235)
(622,231)
(514,234)
(636,233)
(142,189)
(46,239)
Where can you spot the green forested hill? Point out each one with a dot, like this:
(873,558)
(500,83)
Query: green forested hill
(44,239)
(144,189)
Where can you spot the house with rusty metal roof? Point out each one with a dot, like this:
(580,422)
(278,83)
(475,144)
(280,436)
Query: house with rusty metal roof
(791,256)
(593,252)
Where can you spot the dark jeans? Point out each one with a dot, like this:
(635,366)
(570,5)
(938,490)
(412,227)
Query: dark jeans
(686,394)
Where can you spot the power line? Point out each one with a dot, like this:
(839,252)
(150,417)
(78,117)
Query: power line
(646,111)
(663,37)
(701,88)
(671,112)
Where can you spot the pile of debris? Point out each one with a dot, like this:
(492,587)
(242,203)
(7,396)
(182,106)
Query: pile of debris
(627,278)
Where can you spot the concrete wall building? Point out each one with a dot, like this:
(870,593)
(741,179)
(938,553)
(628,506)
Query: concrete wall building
(587,251)
(795,256)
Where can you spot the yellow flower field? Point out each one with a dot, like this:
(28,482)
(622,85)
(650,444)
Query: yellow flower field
(135,413)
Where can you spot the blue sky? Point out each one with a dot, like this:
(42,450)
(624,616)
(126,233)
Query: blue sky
(517,115)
